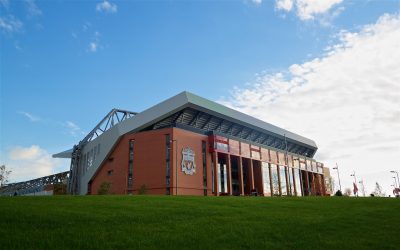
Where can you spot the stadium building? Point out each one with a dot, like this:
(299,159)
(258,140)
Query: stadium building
(188,145)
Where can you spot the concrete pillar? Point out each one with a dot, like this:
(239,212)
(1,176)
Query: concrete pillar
(240,172)
(216,182)
(229,170)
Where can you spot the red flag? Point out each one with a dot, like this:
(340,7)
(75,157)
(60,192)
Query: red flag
(355,189)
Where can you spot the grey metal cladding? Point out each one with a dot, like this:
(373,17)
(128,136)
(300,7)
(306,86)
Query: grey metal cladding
(106,141)
(186,99)
(155,113)
(64,154)
(244,119)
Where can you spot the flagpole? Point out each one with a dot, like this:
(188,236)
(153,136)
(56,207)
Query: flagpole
(287,163)
(355,181)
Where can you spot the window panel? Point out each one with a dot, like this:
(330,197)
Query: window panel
(282,174)
(275,179)
(168,163)
(266,179)
(297,179)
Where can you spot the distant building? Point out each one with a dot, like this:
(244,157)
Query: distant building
(188,145)
(329,184)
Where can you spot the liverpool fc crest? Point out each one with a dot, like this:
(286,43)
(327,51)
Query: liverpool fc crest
(188,164)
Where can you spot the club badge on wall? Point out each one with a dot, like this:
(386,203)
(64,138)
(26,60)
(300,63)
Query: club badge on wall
(188,164)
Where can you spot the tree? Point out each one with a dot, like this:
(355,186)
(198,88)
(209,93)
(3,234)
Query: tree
(378,191)
(338,193)
(347,192)
(143,189)
(4,173)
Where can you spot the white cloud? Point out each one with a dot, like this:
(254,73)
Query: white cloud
(107,7)
(73,129)
(284,5)
(347,101)
(93,47)
(20,153)
(95,44)
(307,9)
(256,2)
(32,8)
(31,162)
(31,117)
(10,24)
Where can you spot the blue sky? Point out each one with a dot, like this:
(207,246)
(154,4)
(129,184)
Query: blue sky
(65,64)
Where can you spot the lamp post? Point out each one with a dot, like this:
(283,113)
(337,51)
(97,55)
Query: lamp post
(355,181)
(337,169)
(397,173)
(362,187)
(395,182)
(176,165)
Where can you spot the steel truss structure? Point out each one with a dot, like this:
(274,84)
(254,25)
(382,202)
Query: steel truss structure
(114,117)
(35,185)
(206,123)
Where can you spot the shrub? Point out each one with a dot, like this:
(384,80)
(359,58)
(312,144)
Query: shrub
(143,189)
(338,193)
(104,188)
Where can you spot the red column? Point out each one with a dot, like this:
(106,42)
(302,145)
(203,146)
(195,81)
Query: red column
(313,184)
(251,175)
(229,169)
(307,192)
(215,160)
(241,186)
(323,187)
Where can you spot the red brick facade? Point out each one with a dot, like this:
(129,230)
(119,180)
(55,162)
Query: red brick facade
(150,166)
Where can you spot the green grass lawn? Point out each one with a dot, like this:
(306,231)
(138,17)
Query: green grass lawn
(120,222)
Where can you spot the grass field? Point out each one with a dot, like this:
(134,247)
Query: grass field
(159,222)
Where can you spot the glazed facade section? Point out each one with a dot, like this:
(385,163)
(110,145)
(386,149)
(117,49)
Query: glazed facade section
(246,169)
(175,161)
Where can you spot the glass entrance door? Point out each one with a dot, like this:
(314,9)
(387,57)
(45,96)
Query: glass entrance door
(222,178)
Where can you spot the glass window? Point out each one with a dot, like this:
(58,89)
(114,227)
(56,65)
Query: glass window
(290,181)
(204,155)
(221,146)
(130,164)
(266,180)
(275,180)
(282,174)
(297,180)
(223,178)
